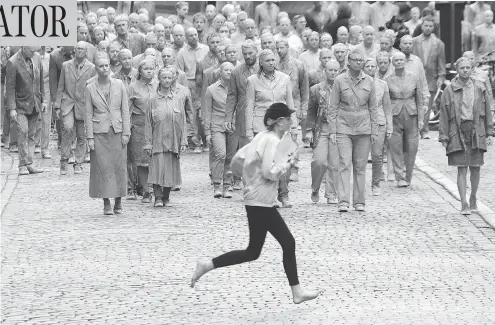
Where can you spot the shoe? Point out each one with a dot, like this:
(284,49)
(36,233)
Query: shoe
(343,208)
(175,188)
(46,156)
(72,160)
(117,208)
(87,159)
(237,185)
(131,195)
(473,205)
(158,203)
(146,198)
(391,178)
(37,149)
(359,207)
(13,148)
(23,170)
(425,135)
(332,200)
(315,196)
(376,191)
(198,150)
(294,176)
(2,145)
(285,202)
(402,183)
(107,209)
(63,167)
(306,144)
(206,149)
(217,191)
(465,210)
(226,191)
(78,169)
(34,170)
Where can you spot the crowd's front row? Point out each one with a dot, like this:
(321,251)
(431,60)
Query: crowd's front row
(351,112)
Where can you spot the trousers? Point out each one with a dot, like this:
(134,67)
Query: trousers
(26,130)
(377,156)
(224,145)
(404,145)
(426,124)
(69,126)
(44,127)
(325,162)
(353,150)
(262,220)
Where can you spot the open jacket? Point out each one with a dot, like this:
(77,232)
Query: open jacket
(435,64)
(319,99)
(101,115)
(71,87)
(298,74)
(25,89)
(450,117)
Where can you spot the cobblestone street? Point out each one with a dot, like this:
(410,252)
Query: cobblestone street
(410,259)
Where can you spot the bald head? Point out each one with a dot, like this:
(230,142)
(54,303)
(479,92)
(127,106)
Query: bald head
(332,64)
(398,58)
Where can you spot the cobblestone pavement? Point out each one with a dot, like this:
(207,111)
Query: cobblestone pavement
(410,259)
(433,153)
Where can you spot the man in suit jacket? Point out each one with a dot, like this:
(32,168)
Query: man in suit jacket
(236,96)
(57,58)
(431,51)
(134,42)
(25,100)
(69,105)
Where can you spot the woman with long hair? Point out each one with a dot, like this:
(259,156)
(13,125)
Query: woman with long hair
(166,133)
(140,93)
(260,175)
(466,129)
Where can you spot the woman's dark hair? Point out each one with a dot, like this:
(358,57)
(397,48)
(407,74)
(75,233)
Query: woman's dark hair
(344,11)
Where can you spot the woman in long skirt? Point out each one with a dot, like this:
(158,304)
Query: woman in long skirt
(108,130)
(261,175)
(466,129)
(166,133)
(140,93)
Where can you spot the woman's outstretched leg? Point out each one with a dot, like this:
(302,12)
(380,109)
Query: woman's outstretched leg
(257,234)
(462,187)
(278,228)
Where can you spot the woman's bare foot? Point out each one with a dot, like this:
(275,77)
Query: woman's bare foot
(202,267)
(299,295)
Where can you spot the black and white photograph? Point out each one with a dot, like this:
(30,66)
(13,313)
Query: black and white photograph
(249,162)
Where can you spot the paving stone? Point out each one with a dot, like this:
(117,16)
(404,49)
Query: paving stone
(411,258)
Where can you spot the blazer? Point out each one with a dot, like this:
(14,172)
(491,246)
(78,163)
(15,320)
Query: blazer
(450,117)
(71,88)
(134,42)
(435,64)
(319,99)
(406,94)
(100,114)
(236,97)
(25,90)
(56,61)
(260,94)
(298,74)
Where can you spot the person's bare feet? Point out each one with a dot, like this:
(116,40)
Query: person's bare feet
(202,267)
(299,295)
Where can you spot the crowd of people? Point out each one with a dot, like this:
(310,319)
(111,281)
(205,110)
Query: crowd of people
(134,94)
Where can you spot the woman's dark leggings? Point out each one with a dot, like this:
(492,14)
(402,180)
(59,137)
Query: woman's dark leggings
(261,220)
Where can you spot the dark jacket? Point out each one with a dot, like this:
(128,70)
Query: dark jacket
(332,27)
(56,61)
(450,117)
(25,89)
